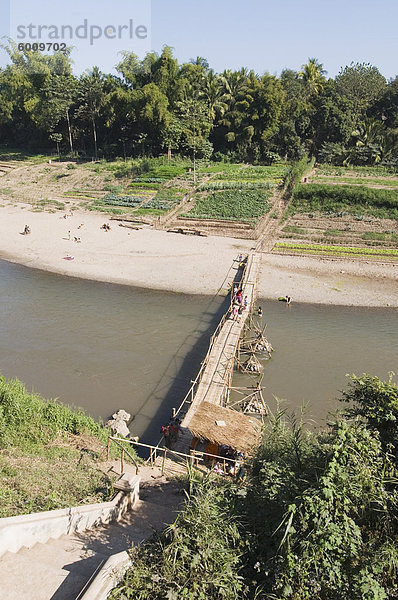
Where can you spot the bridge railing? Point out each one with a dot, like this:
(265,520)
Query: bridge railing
(191,392)
(194,458)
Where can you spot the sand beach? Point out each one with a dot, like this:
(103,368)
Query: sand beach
(182,263)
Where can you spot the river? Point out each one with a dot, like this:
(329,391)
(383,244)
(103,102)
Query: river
(104,346)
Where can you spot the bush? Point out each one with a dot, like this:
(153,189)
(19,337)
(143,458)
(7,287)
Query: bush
(197,558)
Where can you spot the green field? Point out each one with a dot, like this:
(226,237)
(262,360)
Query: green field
(334,250)
(245,206)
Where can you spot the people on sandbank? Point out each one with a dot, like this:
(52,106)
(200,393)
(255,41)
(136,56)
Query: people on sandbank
(26,230)
(106,227)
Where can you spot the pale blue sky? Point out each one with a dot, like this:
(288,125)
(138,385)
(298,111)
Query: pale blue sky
(263,35)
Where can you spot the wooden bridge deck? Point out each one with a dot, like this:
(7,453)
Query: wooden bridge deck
(215,380)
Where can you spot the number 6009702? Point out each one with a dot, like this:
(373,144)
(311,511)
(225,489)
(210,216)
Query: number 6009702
(42,46)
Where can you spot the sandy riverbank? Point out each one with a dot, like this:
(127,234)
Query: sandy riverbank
(180,263)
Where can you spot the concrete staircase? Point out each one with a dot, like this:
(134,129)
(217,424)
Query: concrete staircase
(61,568)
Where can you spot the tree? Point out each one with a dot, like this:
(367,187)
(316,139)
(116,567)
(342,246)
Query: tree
(313,74)
(386,107)
(376,402)
(194,116)
(362,83)
(57,138)
(151,109)
(58,97)
(91,98)
(212,92)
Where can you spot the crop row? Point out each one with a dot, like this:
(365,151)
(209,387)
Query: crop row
(358,171)
(236,185)
(144,185)
(250,174)
(150,180)
(331,249)
(219,167)
(113,200)
(358,181)
(160,204)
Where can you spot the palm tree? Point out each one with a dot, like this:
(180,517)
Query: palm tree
(313,74)
(212,92)
(234,83)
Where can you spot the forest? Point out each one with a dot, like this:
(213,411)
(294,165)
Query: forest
(156,106)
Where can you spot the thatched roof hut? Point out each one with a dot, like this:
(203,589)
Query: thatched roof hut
(224,426)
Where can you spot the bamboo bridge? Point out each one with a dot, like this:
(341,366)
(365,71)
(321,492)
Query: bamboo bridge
(204,411)
(216,376)
(213,382)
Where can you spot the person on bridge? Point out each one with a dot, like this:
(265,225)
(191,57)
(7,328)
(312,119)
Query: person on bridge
(167,435)
(175,429)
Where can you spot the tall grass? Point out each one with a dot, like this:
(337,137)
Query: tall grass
(199,556)
(48,453)
(27,416)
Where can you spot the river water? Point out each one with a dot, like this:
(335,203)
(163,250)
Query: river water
(103,346)
(316,347)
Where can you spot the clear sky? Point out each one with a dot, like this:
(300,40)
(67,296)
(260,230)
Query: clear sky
(260,34)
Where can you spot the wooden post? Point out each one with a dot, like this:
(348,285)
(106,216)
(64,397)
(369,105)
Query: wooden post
(107,449)
(122,461)
(164,460)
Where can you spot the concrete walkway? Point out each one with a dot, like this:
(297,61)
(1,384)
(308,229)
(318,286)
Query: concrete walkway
(61,568)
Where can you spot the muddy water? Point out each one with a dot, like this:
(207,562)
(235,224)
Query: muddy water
(316,346)
(102,347)
(105,347)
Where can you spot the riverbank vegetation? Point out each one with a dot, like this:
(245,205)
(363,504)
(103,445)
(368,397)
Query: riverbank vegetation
(158,106)
(48,454)
(315,518)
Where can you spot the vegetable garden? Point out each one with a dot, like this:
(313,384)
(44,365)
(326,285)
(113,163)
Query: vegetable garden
(344,207)
(244,205)
(237,192)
